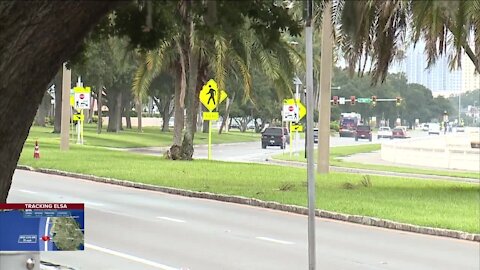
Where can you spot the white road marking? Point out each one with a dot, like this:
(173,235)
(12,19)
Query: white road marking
(172,219)
(274,240)
(130,257)
(46,233)
(88,203)
(27,191)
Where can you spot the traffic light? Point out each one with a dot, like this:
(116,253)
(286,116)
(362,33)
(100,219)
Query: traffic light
(399,100)
(352,100)
(374,100)
(335,100)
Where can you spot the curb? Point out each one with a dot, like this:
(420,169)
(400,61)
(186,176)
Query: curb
(274,161)
(364,220)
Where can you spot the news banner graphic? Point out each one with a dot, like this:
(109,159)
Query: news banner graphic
(42,227)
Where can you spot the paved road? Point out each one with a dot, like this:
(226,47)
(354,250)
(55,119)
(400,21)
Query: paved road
(135,229)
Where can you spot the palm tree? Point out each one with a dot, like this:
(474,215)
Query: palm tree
(374,30)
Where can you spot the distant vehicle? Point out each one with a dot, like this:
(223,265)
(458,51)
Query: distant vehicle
(363,132)
(171,122)
(384,132)
(433,128)
(475,139)
(399,132)
(349,123)
(460,129)
(275,136)
(425,127)
(315,135)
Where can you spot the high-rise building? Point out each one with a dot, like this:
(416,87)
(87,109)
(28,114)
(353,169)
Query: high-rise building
(438,78)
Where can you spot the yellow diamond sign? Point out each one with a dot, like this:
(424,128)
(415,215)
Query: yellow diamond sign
(210,96)
(302,111)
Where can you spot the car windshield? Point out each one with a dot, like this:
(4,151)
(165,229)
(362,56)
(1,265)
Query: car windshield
(398,130)
(273,131)
(363,128)
(384,129)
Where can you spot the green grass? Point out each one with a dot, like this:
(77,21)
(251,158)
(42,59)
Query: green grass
(343,151)
(442,204)
(132,138)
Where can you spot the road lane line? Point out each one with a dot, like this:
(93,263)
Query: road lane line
(130,257)
(46,232)
(172,219)
(274,240)
(27,191)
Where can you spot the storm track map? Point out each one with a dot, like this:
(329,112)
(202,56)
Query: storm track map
(42,227)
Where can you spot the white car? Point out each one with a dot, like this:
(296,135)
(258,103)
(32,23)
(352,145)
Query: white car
(425,127)
(434,128)
(384,132)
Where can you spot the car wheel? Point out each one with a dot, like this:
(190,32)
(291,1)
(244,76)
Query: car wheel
(356,139)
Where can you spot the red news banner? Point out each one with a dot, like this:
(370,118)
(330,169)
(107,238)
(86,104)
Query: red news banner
(42,226)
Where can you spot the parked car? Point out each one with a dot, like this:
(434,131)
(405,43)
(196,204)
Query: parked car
(475,138)
(363,132)
(315,135)
(384,132)
(433,128)
(399,132)
(275,136)
(425,127)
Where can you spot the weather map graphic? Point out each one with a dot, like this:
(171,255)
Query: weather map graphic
(42,227)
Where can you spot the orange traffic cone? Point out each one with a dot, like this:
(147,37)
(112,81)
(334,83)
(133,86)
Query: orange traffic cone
(36,152)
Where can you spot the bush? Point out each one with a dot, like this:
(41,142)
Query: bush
(334,125)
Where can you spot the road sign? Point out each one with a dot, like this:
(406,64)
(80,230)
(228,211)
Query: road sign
(364,100)
(296,128)
(210,96)
(81,97)
(302,111)
(210,115)
(78,117)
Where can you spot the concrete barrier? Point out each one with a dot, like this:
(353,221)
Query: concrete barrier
(447,152)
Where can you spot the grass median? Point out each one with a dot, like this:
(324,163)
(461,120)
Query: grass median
(439,204)
(131,138)
(336,153)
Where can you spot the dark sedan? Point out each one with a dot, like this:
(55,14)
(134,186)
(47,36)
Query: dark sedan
(275,136)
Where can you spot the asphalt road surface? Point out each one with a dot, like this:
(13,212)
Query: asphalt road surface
(253,152)
(135,229)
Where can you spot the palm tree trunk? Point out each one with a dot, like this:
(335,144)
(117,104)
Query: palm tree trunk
(227,113)
(178,111)
(42,110)
(58,102)
(99,109)
(138,108)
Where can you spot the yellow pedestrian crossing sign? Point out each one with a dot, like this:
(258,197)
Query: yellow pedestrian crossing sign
(210,96)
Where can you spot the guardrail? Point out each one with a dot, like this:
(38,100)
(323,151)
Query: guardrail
(418,152)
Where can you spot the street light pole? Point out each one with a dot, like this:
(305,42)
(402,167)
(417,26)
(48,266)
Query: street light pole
(310,161)
(325,91)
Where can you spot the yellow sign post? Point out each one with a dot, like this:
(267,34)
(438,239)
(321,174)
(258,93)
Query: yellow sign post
(302,111)
(80,101)
(210,97)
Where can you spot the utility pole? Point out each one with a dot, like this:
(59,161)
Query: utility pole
(309,136)
(325,90)
(66,109)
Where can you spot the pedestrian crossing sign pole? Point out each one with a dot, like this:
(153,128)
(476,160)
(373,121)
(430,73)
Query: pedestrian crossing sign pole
(211,97)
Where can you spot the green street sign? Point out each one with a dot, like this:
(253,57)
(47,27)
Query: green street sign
(364,100)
